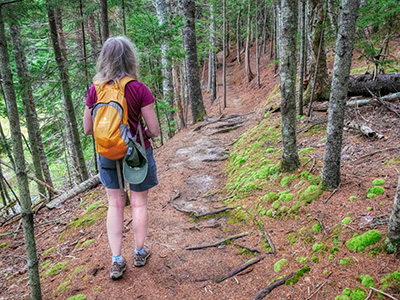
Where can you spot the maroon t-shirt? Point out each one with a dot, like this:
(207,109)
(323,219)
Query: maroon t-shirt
(137,96)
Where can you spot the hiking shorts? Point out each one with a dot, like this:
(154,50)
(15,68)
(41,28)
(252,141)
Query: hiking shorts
(109,176)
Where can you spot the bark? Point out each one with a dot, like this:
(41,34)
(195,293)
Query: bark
(278,29)
(332,14)
(22,179)
(83,46)
(364,85)
(302,55)
(60,32)
(319,86)
(268,289)
(288,65)
(94,49)
(177,95)
(257,49)
(337,103)
(104,20)
(168,92)
(32,123)
(249,74)
(393,237)
(5,144)
(68,107)
(238,36)
(82,187)
(193,80)
(213,63)
(224,54)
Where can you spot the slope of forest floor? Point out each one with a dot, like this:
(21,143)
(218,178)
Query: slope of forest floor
(195,179)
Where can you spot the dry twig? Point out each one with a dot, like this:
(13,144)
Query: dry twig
(235,237)
(383,293)
(240,269)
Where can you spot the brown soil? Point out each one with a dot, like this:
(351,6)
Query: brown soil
(191,181)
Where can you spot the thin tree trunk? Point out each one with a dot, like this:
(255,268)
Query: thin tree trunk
(278,27)
(177,94)
(22,179)
(213,63)
(337,102)
(189,39)
(302,55)
(393,237)
(60,33)
(68,107)
(87,79)
(238,36)
(224,52)
(288,65)
(94,49)
(32,122)
(168,92)
(123,17)
(104,20)
(264,34)
(249,74)
(332,14)
(257,49)
(5,143)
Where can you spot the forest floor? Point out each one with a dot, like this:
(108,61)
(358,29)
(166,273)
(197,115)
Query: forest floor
(192,178)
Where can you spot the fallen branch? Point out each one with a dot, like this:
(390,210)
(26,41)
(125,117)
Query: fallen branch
(213,212)
(248,248)
(330,196)
(267,237)
(268,289)
(320,287)
(215,159)
(231,238)
(225,130)
(322,225)
(383,293)
(240,269)
(365,130)
(375,152)
(228,124)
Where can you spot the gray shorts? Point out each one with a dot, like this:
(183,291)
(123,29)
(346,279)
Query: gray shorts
(109,176)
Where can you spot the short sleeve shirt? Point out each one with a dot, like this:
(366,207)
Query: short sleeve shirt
(137,95)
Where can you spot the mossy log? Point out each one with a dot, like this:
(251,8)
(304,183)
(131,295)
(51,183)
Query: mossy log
(384,84)
(84,186)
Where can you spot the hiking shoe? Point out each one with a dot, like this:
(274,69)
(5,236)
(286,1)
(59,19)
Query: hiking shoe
(139,260)
(117,270)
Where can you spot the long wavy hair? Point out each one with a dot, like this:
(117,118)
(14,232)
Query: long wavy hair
(116,60)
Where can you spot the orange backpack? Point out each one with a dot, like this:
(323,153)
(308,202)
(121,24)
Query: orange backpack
(110,119)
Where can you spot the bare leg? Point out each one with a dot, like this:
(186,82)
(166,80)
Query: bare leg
(140,217)
(115,219)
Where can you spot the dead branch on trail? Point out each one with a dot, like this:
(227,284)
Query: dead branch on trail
(210,121)
(241,268)
(248,248)
(375,152)
(231,238)
(322,225)
(80,188)
(268,289)
(225,130)
(228,124)
(330,196)
(213,212)
(267,237)
(188,211)
(365,130)
(320,287)
(383,293)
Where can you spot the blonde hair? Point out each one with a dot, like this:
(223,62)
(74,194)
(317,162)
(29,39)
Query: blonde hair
(116,60)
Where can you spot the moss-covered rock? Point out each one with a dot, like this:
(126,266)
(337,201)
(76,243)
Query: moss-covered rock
(359,243)
(279,265)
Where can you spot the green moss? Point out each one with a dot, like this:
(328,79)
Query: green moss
(375,251)
(45,264)
(317,246)
(285,181)
(342,297)
(389,280)
(346,291)
(331,257)
(270,196)
(48,251)
(352,198)
(345,261)
(4,245)
(77,297)
(94,205)
(315,259)
(301,259)
(279,265)
(367,281)
(378,182)
(270,150)
(346,220)
(393,161)
(276,204)
(313,192)
(325,272)
(298,275)
(374,191)
(306,150)
(359,243)
(63,286)
(358,294)
(285,196)
(316,228)
(334,250)
(56,269)
(97,288)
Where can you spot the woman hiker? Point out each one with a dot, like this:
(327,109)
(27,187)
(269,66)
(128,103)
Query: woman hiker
(116,61)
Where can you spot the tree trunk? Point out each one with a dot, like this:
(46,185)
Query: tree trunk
(337,102)
(94,49)
(213,63)
(238,36)
(249,74)
(123,17)
(288,65)
(177,94)
(60,33)
(168,92)
(278,28)
(68,107)
(189,40)
(104,20)
(383,85)
(393,237)
(38,155)
(5,143)
(302,55)
(319,86)
(224,53)
(22,179)
(257,49)
(332,14)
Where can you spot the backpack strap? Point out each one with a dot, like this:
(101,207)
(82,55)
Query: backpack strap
(124,81)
